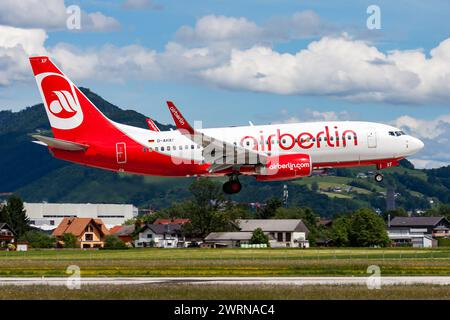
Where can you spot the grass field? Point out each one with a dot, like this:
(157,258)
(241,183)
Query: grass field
(227,262)
(214,292)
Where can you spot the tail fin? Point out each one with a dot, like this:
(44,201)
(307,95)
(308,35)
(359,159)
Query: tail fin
(72,116)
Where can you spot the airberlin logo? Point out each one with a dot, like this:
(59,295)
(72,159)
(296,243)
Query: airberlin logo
(289,165)
(61,101)
(177,115)
(304,140)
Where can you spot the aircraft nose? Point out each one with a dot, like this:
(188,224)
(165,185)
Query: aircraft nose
(416,144)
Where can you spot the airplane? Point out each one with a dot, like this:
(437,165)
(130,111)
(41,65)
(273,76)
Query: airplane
(84,135)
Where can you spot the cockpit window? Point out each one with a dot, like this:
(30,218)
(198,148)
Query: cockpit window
(396,133)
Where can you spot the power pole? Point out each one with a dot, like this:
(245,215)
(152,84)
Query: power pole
(285,195)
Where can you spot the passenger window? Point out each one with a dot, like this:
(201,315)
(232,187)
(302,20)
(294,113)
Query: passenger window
(349,137)
(180,148)
(168,148)
(186,147)
(198,146)
(192,146)
(156,148)
(144,149)
(331,138)
(248,143)
(162,148)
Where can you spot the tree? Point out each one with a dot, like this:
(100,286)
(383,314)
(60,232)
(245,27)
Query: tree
(258,237)
(38,239)
(69,239)
(207,209)
(367,229)
(15,215)
(340,230)
(112,241)
(269,209)
(397,212)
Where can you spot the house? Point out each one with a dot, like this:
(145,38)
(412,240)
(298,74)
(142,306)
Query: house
(229,239)
(179,221)
(160,236)
(124,233)
(7,235)
(419,232)
(90,232)
(281,232)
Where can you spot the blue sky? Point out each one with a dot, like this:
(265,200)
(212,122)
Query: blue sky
(236,37)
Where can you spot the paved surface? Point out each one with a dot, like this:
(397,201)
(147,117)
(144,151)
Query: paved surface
(300,281)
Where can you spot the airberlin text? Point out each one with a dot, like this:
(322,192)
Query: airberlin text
(304,140)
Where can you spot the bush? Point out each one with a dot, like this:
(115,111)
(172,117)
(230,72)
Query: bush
(114,242)
(444,242)
(70,241)
(38,239)
(258,237)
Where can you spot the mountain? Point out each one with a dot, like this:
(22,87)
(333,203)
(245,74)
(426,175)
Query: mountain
(30,171)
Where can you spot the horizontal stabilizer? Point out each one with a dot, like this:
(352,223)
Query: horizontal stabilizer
(59,144)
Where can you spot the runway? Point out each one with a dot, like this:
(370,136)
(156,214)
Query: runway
(298,281)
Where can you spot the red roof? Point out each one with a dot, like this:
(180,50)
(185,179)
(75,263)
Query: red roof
(172,221)
(115,229)
(76,226)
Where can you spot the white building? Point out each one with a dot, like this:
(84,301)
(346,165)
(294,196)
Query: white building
(47,216)
(281,233)
(160,236)
(418,232)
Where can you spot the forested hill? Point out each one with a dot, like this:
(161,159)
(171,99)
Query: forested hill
(29,170)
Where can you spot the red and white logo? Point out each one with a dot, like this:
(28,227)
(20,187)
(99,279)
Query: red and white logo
(61,101)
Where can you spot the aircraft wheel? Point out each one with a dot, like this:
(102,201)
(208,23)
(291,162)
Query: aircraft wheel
(232,187)
(378,177)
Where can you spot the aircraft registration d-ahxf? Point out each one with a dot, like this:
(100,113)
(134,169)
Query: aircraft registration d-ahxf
(83,135)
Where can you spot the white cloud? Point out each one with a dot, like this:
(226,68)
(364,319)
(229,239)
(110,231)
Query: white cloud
(212,28)
(215,52)
(241,32)
(140,4)
(309,114)
(427,164)
(435,134)
(15,47)
(50,15)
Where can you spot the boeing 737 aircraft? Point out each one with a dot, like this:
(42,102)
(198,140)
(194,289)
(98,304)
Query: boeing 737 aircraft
(83,135)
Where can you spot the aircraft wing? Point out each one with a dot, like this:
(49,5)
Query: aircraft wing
(222,155)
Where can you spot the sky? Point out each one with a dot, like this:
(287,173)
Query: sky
(229,62)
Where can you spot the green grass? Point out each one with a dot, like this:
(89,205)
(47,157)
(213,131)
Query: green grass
(225,292)
(223,262)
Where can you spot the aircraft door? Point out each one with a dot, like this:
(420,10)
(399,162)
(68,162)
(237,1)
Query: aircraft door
(121,152)
(372,138)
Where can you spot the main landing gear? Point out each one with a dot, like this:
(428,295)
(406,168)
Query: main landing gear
(232,186)
(378,177)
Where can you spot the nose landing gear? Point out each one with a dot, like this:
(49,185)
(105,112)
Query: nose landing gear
(378,177)
(232,186)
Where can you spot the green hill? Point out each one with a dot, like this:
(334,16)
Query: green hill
(29,170)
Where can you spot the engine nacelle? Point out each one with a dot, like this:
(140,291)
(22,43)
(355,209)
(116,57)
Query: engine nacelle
(285,167)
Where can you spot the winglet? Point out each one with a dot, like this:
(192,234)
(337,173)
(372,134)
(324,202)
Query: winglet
(180,121)
(152,125)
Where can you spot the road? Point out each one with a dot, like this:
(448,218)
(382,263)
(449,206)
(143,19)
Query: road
(299,281)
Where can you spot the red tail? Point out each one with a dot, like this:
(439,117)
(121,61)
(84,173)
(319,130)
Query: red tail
(72,116)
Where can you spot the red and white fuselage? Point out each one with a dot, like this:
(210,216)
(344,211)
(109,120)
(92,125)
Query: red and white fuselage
(82,134)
